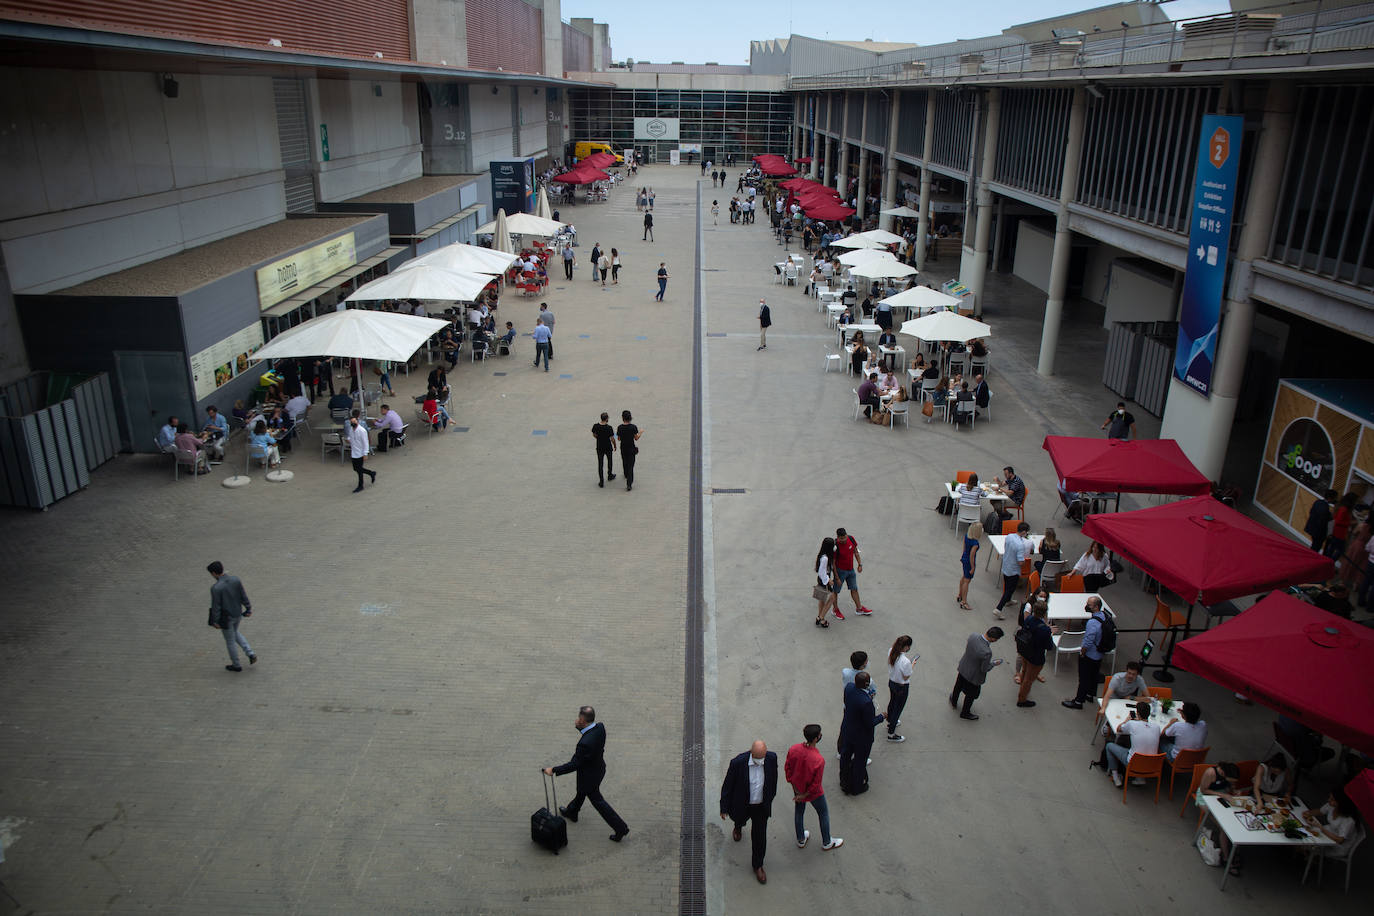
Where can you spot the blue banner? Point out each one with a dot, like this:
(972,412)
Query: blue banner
(1214,196)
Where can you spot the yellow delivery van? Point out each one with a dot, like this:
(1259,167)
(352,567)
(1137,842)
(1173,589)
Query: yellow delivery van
(584,148)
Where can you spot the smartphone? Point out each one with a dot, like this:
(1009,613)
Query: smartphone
(1224,802)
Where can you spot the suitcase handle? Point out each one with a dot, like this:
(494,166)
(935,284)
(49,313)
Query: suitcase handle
(547,781)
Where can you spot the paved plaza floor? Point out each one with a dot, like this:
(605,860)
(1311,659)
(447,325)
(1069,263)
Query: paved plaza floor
(425,644)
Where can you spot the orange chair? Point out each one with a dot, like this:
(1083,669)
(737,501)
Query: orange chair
(1193,786)
(1185,762)
(1247,775)
(1021,509)
(1165,617)
(1143,766)
(962,476)
(1161,693)
(1071,582)
(1101,706)
(1009,526)
(1032,581)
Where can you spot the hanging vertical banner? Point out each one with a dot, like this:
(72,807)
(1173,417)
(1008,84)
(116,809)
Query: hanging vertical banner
(1214,197)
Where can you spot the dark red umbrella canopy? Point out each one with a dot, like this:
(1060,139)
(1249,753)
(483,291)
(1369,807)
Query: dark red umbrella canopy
(776,168)
(826,209)
(583,174)
(804,159)
(1204,551)
(598,160)
(1298,660)
(1120,466)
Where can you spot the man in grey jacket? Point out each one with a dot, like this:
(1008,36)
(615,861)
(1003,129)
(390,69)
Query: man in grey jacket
(229,604)
(973,670)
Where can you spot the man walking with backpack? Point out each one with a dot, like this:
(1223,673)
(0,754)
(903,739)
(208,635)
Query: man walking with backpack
(1099,638)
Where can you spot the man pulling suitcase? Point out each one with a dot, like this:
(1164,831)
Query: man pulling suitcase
(589,762)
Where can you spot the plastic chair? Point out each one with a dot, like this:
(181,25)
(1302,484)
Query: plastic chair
(1161,693)
(1067,644)
(962,476)
(1167,618)
(1009,526)
(332,440)
(1049,573)
(1185,761)
(1247,770)
(1143,766)
(858,405)
(899,409)
(1070,582)
(187,458)
(832,355)
(1342,853)
(967,516)
(1193,785)
(1101,707)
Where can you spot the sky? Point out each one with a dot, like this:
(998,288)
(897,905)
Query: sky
(719,31)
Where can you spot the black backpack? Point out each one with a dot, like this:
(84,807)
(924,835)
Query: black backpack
(1107,641)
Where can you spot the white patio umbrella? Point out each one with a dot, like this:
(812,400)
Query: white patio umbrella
(500,233)
(541,206)
(945,326)
(882,269)
(864,255)
(922,299)
(522,224)
(463,258)
(423,281)
(904,211)
(855,241)
(354,334)
(882,237)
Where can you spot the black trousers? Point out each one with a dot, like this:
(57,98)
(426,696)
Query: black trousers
(1089,678)
(609,467)
(1009,584)
(358,466)
(602,807)
(568,269)
(627,464)
(386,438)
(896,702)
(854,765)
(969,689)
(756,816)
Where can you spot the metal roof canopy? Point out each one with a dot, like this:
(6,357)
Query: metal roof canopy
(30,44)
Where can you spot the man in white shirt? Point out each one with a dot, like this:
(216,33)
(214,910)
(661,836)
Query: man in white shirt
(297,407)
(358,447)
(1144,740)
(548,319)
(167,435)
(746,795)
(391,426)
(1016,549)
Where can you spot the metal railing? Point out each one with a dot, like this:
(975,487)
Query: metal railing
(1231,41)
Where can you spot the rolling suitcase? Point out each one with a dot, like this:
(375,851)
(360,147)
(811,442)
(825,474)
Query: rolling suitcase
(547,827)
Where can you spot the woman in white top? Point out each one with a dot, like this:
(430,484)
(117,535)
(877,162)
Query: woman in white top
(1274,778)
(1186,734)
(1336,819)
(898,685)
(826,578)
(1095,568)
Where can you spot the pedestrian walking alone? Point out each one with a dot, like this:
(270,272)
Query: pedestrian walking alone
(229,604)
(898,685)
(541,344)
(746,797)
(765,322)
(648,227)
(628,434)
(662,281)
(804,768)
(715,213)
(569,258)
(589,763)
(358,447)
(605,448)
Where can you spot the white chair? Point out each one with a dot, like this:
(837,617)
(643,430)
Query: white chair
(1067,643)
(990,397)
(333,440)
(832,355)
(186,458)
(967,516)
(858,405)
(790,273)
(956,364)
(479,350)
(426,419)
(1050,572)
(255,451)
(777,274)
(1342,853)
(899,409)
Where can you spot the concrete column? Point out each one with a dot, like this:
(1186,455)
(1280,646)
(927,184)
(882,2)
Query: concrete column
(842,172)
(861,203)
(894,105)
(815,137)
(927,150)
(978,274)
(1201,425)
(1063,238)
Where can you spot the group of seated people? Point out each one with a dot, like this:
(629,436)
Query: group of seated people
(176,438)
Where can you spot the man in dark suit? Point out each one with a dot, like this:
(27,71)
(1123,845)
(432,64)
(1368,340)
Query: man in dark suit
(751,781)
(981,394)
(856,735)
(589,762)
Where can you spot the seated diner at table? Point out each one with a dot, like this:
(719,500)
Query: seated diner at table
(859,357)
(1274,779)
(434,410)
(1335,819)
(969,493)
(1144,736)
(1095,568)
(1222,778)
(1128,684)
(1186,734)
(963,407)
(1050,550)
(889,340)
(189,442)
(1015,489)
(261,438)
(869,394)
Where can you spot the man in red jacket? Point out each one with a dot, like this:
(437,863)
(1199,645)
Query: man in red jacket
(804,769)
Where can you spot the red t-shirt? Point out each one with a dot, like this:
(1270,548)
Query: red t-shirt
(804,769)
(1340,524)
(844,553)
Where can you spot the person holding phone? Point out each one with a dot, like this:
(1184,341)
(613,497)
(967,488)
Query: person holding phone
(973,671)
(1144,736)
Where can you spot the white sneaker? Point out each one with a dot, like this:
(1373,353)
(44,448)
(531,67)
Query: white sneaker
(835,843)
(806,835)
(1137,781)
(1116,778)
(895,737)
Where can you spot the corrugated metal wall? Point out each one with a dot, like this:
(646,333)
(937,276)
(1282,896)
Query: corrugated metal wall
(577,49)
(48,451)
(1034,128)
(954,117)
(911,126)
(348,27)
(505,33)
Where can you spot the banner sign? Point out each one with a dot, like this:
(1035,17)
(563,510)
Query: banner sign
(1214,196)
(512,185)
(283,279)
(658,128)
(214,366)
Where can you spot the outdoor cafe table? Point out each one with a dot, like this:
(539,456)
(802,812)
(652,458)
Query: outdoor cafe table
(893,351)
(999,547)
(847,329)
(1233,820)
(834,310)
(989,496)
(1071,606)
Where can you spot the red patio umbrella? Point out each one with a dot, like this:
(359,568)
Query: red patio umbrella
(804,159)
(1119,466)
(827,210)
(776,168)
(1361,792)
(582,175)
(1298,660)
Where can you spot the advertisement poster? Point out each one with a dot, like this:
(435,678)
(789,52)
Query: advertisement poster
(1214,195)
(283,279)
(658,128)
(214,366)
(512,185)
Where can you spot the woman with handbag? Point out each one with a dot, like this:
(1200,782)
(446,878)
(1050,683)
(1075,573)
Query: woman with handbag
(827,588)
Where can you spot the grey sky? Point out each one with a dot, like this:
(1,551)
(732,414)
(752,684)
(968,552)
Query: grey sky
(696,31)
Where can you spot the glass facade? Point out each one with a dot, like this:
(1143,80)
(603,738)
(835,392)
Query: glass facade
(743,123)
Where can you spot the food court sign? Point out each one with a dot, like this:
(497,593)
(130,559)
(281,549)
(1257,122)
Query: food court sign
(287,277)
(1306,455)
(658,128)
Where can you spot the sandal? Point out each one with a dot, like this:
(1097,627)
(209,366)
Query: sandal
(1016,679)
(1040,678)
(965,606)
(823,623)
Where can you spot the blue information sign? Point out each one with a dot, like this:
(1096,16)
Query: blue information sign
(1214,196)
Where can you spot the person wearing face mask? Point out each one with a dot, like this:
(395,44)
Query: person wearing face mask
(358,447)
(1121,423)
